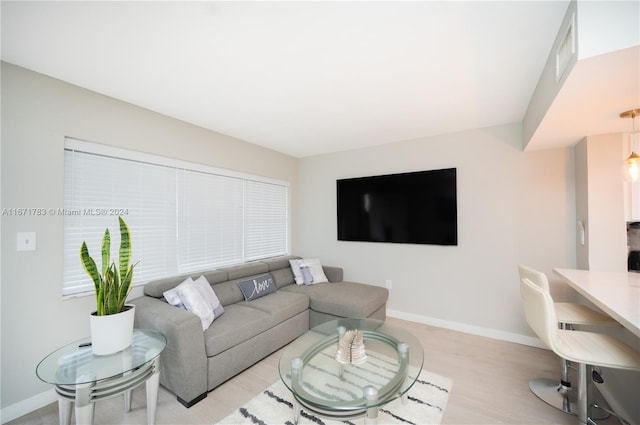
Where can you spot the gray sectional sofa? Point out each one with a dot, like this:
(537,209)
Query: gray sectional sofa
(196,361)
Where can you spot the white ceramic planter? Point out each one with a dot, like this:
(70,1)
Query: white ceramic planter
(112,333)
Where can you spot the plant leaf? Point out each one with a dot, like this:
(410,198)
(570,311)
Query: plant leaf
(106,251)
(125,249)
(111,301)
(89,266)
(125,286)
(100,301)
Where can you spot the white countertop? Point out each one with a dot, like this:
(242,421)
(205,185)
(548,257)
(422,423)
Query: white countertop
(615,293)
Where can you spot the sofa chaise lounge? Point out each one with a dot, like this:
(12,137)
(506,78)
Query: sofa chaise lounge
(196,361)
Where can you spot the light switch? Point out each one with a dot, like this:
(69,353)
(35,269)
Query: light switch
(26,241)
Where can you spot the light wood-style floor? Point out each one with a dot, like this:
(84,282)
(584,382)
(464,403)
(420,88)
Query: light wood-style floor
(490,386)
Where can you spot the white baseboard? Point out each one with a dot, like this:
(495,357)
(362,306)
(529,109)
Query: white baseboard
(28,405)
(474,330)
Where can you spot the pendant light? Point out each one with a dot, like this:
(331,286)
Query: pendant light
(632,164)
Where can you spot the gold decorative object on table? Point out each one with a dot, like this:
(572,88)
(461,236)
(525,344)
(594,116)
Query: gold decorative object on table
(351,348)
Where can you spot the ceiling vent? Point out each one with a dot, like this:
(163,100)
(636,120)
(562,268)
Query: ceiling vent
(566,49)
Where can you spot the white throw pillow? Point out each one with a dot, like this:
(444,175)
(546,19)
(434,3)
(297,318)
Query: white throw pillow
(297,273)
(316,270)
(205,289)
(197,297)
(173,297)
(195,303)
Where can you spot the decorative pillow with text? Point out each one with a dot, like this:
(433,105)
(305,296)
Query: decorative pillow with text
(257,287)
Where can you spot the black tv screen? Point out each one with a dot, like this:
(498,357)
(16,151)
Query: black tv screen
(418,207)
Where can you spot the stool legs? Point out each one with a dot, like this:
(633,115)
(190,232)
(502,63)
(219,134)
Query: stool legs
(556,394)
(583,393)
(567,398)
(568,405)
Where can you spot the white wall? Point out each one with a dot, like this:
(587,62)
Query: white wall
(600,203)
(37,113)
(513,207)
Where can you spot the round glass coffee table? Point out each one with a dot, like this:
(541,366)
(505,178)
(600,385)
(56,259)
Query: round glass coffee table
(83,378)
(335,390)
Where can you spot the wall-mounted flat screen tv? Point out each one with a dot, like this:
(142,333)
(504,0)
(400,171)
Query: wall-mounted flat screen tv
(417,207)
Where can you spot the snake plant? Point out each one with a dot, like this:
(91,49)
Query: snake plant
(113,284)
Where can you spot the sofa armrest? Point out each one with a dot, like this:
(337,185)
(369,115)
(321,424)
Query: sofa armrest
(183,364)
(334,274)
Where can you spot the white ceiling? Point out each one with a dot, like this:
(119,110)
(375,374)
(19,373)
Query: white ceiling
(302,78)
(589,103)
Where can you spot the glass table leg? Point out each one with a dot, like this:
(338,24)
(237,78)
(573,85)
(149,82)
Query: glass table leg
(296,411)
(64,411)
(296,378)
(403,351)
(84,405)
(151,388)
(371,394)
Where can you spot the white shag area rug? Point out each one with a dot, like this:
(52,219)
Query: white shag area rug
(427,401)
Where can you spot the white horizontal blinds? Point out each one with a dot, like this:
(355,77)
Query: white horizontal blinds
(266,219)
(210,220)
(151,194)
(183,217)
(97,189)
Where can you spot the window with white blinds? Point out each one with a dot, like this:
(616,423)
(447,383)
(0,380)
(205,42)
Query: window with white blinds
(183,217)
(265,219)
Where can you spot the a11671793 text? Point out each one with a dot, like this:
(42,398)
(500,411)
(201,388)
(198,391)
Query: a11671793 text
(18,212)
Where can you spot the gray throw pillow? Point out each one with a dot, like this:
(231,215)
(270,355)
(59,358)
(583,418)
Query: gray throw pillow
(257,287)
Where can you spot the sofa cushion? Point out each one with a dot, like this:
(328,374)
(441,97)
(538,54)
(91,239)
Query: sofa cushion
(334,298)
(246,270)
(281,305)
(216,276)
(238,324)
(333,274)
(283,277)
(157,288)
(228,292)
(278,263)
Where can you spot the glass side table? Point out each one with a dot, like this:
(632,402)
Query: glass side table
(82,378)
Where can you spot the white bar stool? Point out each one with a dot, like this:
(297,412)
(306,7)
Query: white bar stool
(554,393)
(586,349)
